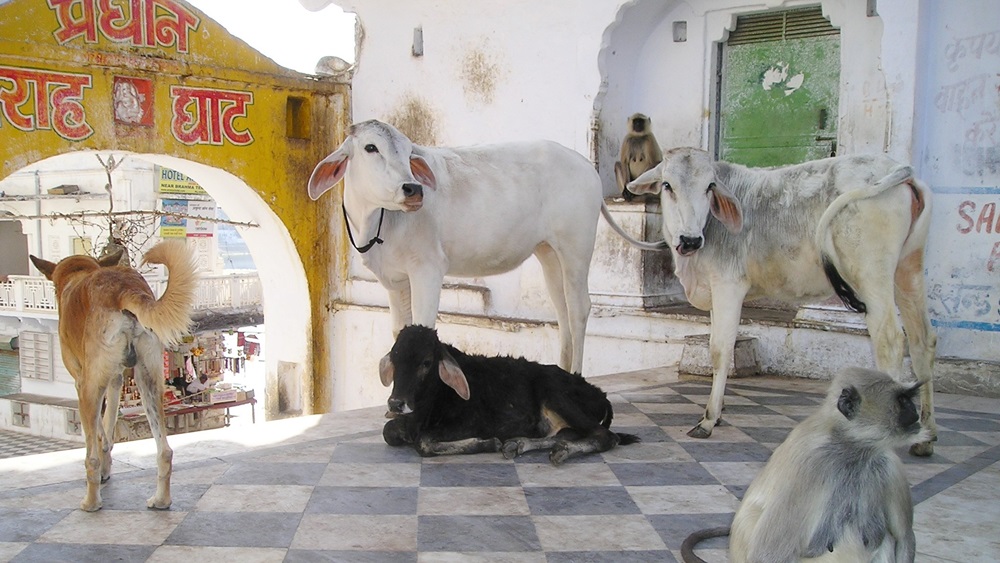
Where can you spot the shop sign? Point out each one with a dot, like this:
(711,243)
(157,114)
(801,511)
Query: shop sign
(197,228)
(174,182)
(173,224)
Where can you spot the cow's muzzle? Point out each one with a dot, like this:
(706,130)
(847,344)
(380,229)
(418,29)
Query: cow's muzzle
(689,245)
(414,196)
(396,405)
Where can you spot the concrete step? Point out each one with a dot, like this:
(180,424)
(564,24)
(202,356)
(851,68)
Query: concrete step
(696,359)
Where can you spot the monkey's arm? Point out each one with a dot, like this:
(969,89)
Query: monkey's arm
(899,508)
(784,526)
(620,176)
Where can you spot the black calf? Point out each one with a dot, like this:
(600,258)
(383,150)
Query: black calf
(449,402)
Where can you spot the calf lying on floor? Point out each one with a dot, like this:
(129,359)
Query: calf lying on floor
(449,402)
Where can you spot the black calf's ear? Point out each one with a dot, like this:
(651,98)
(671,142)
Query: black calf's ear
(849,402)
(386,371)
(453,376)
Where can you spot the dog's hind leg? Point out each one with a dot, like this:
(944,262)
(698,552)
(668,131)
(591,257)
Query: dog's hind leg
(91,396)
(149,378)
(112,398)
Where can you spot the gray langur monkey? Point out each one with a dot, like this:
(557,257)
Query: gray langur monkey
(639,152)
(835,489)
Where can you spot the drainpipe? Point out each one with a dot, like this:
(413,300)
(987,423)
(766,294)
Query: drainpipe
(38,213)
(595,131)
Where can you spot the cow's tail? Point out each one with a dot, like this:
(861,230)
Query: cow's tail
(169,317)
(824,236)
(659,245)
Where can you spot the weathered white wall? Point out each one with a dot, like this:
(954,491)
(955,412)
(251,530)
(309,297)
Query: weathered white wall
(957,151)
(574,70)
(491,71)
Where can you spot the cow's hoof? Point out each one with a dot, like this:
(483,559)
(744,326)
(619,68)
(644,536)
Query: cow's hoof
(511,449)
(699,433)
(923,449)
(157,504)
(90,506)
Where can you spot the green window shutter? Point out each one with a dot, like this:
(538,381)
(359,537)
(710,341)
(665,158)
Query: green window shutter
(780,26)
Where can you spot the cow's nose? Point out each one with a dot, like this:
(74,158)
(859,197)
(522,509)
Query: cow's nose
(410,190)
(690,244)
(395,405)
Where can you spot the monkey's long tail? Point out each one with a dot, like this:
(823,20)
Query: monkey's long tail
(687,548)
(658,245)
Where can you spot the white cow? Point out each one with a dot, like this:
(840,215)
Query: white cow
(854,226)
(427,212)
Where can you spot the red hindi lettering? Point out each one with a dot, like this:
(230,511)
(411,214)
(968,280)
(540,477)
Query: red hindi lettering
(70,118)
(57,101)
(206,116)
(171,29)
(148,23)
(13,97)
(71,27)
(116,27)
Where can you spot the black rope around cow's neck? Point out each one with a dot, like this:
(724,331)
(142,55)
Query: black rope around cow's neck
(375,240)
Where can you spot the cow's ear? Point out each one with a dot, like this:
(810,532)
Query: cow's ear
(452,375)
(422,171)
(330,170)
(386,370)
(647,183)
(726,207)
(44,266)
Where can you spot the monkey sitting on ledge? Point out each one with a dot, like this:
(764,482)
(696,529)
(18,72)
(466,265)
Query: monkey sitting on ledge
(639,153)
(835,489)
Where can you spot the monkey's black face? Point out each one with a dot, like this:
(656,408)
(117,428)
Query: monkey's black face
(909,415)
(639,125)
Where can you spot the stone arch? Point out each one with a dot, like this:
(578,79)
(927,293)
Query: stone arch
(179,91)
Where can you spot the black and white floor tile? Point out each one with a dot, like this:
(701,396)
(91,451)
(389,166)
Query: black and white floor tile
(327,488)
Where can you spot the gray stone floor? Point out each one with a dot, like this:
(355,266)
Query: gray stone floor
(18,444)
(326,488)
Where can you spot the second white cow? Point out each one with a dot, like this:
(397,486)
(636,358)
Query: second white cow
(854,226)
(420,213)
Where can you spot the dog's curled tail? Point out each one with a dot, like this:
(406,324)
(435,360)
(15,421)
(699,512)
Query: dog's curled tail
(169,317)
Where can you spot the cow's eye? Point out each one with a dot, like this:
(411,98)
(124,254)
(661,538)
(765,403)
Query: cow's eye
(426,364)
(371,148)
(667,188)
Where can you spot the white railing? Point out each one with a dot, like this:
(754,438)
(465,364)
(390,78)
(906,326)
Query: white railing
(37,296)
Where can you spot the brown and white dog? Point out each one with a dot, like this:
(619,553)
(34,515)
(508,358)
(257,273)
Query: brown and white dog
(109,321)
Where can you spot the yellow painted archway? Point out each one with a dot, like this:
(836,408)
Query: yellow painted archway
(159,79)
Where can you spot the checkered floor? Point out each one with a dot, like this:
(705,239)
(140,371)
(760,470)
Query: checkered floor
(327,488)
(15,444)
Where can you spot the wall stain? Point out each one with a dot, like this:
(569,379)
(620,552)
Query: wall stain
(481,73)
(415,119)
